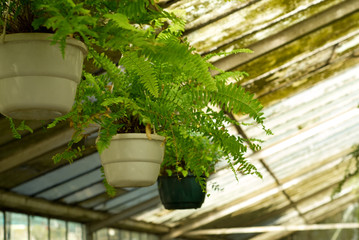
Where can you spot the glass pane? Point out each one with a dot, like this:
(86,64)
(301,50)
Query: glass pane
(57,229)
(143,236)
(102,234)
(2,232)
(135,236)
(153,237)
(125,235)
(74,231)
(38,228)
(113,234)
(18,226)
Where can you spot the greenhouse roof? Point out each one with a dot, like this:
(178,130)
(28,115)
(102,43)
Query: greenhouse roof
(304,69)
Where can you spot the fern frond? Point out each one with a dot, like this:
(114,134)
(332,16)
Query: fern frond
(248,168)
(69,154)
(60,119)
(182,60)
(111,101)
(107,130)
(234,98)
(176,26)
(224,54)
(121,21)
(102,60)
(235,75)
(24,127)
(111,191)
(14,131)
(138,64)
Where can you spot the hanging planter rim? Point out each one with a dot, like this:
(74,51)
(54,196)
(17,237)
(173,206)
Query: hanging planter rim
(25,37)
(124,136)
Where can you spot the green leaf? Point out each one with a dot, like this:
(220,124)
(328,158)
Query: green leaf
(23,127)
(69,155)
(224,54)
(234,98)
(111,101)
(13,128)
(111,191)
(169,172)
(61,119)
(121,21)
(138,64)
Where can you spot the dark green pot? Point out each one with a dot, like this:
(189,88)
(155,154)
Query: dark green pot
(180,194)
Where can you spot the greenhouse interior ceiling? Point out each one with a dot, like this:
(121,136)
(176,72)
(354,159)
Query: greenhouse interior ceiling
(305,71)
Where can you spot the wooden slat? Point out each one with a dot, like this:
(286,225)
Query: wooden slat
(124,214)
(300,83)
(131,198)
(34,145)
(316,214)
(6,135)
(31,146)
(200,13)
(287,35)
(242,206)
(298,58)
(35,167)
(99,199)
(257,22)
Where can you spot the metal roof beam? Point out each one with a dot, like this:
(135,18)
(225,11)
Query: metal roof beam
(282,228)
(29,205)
(43,207)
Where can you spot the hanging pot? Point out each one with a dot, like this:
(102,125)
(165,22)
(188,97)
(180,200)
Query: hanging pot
(36,81)
(132,160)
(184,193)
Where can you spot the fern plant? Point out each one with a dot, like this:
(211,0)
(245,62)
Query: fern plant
(191,154)
(158,83)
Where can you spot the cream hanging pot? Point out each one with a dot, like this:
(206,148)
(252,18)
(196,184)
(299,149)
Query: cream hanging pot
(132,160)
(36,81)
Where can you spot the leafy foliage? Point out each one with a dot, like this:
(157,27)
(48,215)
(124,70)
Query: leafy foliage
(22,127)
(191,154)
(159,81)
(111,191)
(223,54)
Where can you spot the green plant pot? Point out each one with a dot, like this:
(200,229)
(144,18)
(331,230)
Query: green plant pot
(185,193)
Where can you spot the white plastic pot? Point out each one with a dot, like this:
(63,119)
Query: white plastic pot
(132,160)
(36,81)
